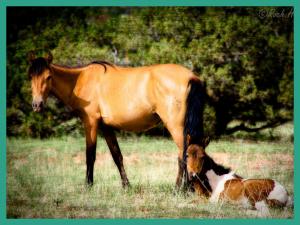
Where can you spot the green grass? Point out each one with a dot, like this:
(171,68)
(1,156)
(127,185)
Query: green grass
(46,178)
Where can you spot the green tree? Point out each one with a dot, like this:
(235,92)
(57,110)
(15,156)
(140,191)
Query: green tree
(245,59)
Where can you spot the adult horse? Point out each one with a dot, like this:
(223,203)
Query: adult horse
(109,97)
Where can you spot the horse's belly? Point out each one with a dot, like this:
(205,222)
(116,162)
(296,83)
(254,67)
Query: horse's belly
(125,103)
(131,122)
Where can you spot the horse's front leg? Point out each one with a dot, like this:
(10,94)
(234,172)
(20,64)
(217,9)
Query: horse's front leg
(90,126)
(115,151)
(177,135)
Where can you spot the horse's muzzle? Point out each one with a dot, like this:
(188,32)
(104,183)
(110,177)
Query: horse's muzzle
(37,106)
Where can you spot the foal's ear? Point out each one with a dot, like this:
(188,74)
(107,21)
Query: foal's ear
(205,141)
(30,57)
(49,57)
(188,139)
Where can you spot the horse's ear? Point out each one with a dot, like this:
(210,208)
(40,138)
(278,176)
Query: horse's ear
(188,139)
(49,57)
(30,57)
(205,141)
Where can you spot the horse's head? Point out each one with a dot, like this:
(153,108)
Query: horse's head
(195,156)
(41,79)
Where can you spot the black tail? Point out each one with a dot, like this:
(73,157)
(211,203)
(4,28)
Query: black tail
(193,122)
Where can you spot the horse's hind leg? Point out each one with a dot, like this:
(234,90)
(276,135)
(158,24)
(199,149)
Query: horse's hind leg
(113,146)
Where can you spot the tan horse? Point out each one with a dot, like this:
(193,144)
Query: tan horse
(212,180)
(110,97)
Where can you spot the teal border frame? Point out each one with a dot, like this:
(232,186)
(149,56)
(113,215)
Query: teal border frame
(5,3)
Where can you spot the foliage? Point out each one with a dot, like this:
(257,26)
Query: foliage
(245,59)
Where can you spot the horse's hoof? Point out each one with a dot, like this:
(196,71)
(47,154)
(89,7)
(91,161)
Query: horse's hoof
(126,185)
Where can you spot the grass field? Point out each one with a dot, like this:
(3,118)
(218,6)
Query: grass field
(46,178)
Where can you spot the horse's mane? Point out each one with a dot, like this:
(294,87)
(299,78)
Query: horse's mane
(39,64)
(209,164)
(99,62)
(103,63)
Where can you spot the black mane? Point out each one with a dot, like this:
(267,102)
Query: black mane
(209,164)
(40,64)
(102,63)
(99,62)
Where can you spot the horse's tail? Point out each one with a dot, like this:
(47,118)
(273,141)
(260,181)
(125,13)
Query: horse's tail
(193,121)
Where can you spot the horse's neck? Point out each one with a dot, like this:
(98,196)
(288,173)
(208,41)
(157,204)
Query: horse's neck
(63,82)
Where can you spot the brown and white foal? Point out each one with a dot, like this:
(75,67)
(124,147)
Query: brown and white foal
(217,182)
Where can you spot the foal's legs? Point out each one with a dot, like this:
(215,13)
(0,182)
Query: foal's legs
(113,145)
(262,209)
(90,126)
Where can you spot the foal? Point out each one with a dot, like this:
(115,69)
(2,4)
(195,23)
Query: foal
(217,182)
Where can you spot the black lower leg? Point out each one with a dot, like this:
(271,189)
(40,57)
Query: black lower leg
(115,151)
(118,159)
(90,160)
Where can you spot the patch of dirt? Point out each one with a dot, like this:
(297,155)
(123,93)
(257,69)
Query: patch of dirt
(79,158)
(51,159)
(276,160)
(101,158)
(252,162)
(163,157)
(37,150)
(131,159)
(221,158)
(257,161)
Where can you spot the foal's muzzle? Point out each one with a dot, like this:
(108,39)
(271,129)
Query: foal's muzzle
(37,105)
(192,176)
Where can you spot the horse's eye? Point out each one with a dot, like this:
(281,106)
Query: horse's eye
(48,78)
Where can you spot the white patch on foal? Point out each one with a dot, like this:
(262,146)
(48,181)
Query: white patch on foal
(217,183)
(278,193)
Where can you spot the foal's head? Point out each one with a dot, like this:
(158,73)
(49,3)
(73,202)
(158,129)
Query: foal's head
(41,79)
(195,156)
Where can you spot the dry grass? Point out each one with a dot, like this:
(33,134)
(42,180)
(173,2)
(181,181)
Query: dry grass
(46,179)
